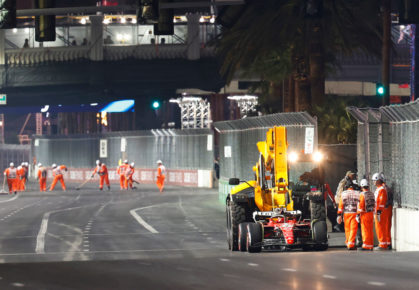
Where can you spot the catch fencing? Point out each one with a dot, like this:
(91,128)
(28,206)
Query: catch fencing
(237,144)
(388,140)
(187,154)
(14,153)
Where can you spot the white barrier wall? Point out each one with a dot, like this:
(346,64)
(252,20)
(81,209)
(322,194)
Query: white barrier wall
(405,230)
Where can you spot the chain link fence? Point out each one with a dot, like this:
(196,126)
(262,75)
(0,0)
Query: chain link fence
(178,149)
(238,152)
(14,153)
(388,140)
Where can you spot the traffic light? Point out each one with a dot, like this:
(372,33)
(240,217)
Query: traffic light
(380,89)
(155,105)
(7,14)
(44,24)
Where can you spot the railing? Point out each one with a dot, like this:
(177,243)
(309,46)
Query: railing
(33,56)
(165,51)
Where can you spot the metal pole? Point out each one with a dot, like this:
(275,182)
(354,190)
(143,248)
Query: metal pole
(385,70)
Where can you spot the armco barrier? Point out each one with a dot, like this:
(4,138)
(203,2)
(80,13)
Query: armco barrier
(192,178)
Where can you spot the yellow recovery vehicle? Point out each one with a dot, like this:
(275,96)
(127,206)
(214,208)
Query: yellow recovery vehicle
(270,213)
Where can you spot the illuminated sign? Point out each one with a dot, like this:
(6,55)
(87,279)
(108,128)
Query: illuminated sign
(119,106)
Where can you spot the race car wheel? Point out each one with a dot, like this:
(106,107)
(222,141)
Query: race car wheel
(236,214)
(242,239)
(254,237)
(320,232)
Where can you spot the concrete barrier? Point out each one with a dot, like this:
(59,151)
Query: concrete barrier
(405,232)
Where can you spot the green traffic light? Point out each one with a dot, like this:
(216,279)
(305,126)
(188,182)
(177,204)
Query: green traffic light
(156,105)
(379,89)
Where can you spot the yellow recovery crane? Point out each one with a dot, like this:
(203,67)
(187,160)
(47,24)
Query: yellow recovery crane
(261,214)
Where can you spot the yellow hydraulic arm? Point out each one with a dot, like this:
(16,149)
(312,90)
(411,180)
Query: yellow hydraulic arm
(271,189)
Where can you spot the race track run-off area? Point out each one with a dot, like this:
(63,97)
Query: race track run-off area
(141,239)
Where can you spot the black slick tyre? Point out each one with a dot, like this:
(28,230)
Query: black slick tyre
(242,239)
(254,237)
(320,235)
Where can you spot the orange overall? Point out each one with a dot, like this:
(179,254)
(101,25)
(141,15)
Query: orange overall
(128,177)
(12,179)
(381,227)
(366,211)
(22,172)
(121,171)
(42,176)
(348,206)
(102,171)
(161,175)
(58,176)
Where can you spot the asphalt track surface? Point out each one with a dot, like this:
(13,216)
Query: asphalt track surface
(91,239)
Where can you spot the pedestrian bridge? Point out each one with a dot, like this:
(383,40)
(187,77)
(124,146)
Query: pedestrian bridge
(40,55)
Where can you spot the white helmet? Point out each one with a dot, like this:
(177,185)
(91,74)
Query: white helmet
(378,176)
(132,164)
(12,164)
(364,183)
(126,161)
(159,162)
(97,162)
(54,165)
(26,164)
(39,164)
(22,164)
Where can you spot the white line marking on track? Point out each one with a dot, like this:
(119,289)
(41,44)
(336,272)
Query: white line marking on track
(329,277)
(141,221)
(225,260)
(40,239)
(10,199)
(17,284)
(253,264)
(289,270)
(375,283)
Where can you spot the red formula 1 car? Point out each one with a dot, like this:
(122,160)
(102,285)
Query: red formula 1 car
(282,230)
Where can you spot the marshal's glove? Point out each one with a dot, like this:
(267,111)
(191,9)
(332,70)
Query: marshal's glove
(339,219)
(357,218)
